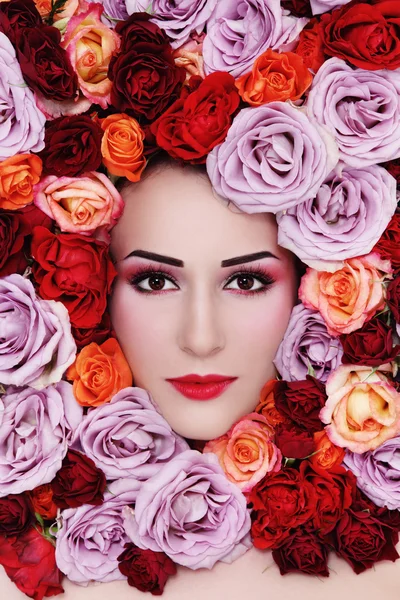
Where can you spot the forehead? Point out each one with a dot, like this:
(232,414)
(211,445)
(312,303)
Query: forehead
(175,212)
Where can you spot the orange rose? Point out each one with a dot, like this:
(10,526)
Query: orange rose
(99,372)
(274,76)
(122,146)
(18,175)
(42,501)
(327,455)
(266,406)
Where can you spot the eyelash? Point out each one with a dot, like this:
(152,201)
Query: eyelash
(258,273)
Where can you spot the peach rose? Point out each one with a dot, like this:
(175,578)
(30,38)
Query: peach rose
(266,405)
(42,501)
(89,205)
(70,7)
(326,454)
(274,76)
(350,296)
(99,372)
(190,57)
(246,453)
(90,45)
(18,175)
(362,410)
(122,146)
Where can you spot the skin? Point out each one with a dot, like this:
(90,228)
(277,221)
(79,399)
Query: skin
(207,321)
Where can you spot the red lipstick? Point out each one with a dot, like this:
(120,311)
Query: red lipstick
(201,387)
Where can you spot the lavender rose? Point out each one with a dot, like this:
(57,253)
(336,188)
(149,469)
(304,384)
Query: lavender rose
(114,11)
(35,428)
(360,108)
(273,158)
(346,218)
(36,341)
(378,473)
(92,537)
(127,437)
(21,122)
(306,347)
(190,511)
(322,6)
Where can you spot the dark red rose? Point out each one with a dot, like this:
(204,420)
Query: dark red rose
(388,245)
(393,298)
(146,570)
(199,120)
(75,270)
(138,28)
(393,166)
(16,514)
(391,518)
(98,334)
(44,64)
(281,502)
(29,561)
(18,14)
(42,501)
(72,146)
(371,345)
(310,46)
(298,8)
(78,482)
(366,36)
(301,401)
(302,552)
(293,441)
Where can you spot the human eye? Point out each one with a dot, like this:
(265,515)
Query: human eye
(250,281)
(153,281)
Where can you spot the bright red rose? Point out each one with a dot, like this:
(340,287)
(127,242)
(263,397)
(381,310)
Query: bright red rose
(29,561)
(372,345)
(78,482)
(388,246)
(281,502)
(366,36)
(72,146)
(298,8)
(18,14)
(74,269)
(393,298)
(138,28)
(293,441)
(98,334)
(301,401)
(146,570)
(302,552)
(16,514)
(310,46)
(42,501)
(199,120)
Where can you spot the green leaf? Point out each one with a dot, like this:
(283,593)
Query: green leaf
(310,370)
(39,518)
(57,6)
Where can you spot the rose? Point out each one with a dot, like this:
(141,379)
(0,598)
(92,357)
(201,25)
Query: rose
(98,334)
(36,341)
(199,120)
(377,26)
(373,99)
(274,76)
(114,11)
(99,372)
(28,560)
(323,6)
(75,270)
(22,123)
(298,8)
(281,502)
(137,29)
(146,570)
(372,345)
(388,246)
(266,405)
(301,402)
(349,296)
(35,428)
(92,537)
(309,47)
(191,512)
(393,298)
(293,441)
(122,146)
(42,501)
(326,454)
(78,482)
(302,552)
(378,473)
(18,175)
(307,346)
(72,146)
(18,14)
(362,410)
(15,515)
(393,166)
(238,33)
(272,158)
(246,452)
(190,56)
(345,219)
(89,205)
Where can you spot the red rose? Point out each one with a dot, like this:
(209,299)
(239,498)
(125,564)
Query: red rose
(293,441)
(301,401)
(372,345)
(98,334)
(310,46)
(146,570)
(78,482)
(16,514)
(366,36)
(44,64)
(42,501)
(393,298)
(72,146)
(298,8)
(138,28)
(74,269)
(388,246)
(18,14)
(281,501)
(29,561)
(199,120)
(393,166)
(302,552)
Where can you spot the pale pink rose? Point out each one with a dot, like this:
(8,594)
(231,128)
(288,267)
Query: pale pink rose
(362,410)
(89,205)
(246,453)
(349,296)
(190,56)
(90,45)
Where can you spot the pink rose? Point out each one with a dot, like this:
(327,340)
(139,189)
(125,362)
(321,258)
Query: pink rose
(362,410)
(190,56)
(89,205)
(246,453)
(349,296)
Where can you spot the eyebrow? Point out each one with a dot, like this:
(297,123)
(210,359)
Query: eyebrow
(238,260)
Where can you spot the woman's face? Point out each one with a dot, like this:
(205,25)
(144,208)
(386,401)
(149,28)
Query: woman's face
(191,298)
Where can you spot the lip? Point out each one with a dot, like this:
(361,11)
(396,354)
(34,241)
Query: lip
(201,387)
